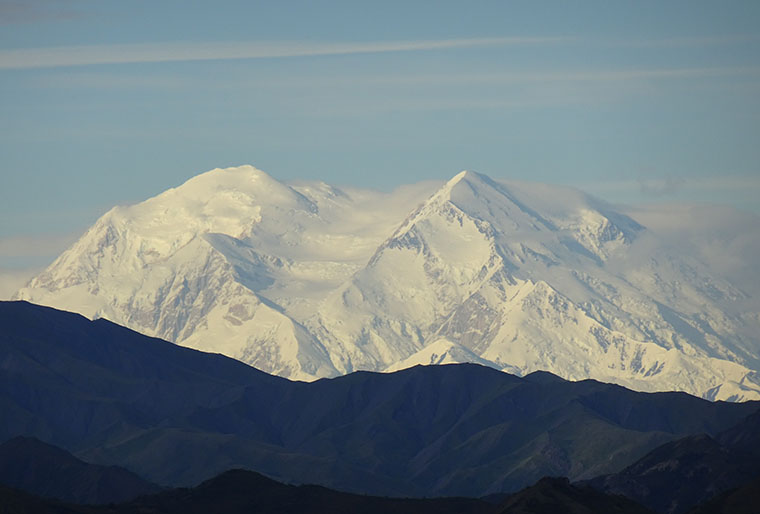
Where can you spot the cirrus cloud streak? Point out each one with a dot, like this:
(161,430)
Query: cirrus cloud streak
(53,57)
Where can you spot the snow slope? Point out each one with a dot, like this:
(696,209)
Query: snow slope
(309,280)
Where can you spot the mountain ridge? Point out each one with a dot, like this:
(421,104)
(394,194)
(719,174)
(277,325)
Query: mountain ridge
(308,280)
(178,416)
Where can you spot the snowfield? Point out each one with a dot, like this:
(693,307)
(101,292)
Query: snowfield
(306,280)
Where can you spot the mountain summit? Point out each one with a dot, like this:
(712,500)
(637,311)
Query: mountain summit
(308,280)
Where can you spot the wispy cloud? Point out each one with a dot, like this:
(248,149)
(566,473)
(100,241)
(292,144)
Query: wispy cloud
(621,80)
(166,52)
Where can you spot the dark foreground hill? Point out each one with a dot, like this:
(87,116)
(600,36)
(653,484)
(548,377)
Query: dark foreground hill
(741,500)
(558,495)
(244,492)
(31,465)
(178,416)
(683,473)
(239,491)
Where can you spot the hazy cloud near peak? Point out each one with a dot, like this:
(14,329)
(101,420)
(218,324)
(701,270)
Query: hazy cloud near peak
(23,257)
(743,190)
(725,239)
(13,280)
(661,187)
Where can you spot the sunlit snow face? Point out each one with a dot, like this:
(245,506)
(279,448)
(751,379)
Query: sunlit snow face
(309,280)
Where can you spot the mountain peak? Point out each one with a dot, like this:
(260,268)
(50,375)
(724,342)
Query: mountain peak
(225,200)
(484,199)
(462,175)
(469,190)
(243,173)
(470,178)
(245,179)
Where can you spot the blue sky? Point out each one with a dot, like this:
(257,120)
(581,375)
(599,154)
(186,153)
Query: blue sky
(105,103)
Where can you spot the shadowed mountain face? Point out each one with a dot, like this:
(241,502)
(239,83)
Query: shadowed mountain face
(29,464)
(179,416)
(742,500)
(683,473)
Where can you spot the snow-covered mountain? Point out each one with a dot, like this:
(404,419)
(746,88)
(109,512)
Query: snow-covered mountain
(309,280)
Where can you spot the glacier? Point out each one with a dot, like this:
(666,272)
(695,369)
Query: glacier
(307,280)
